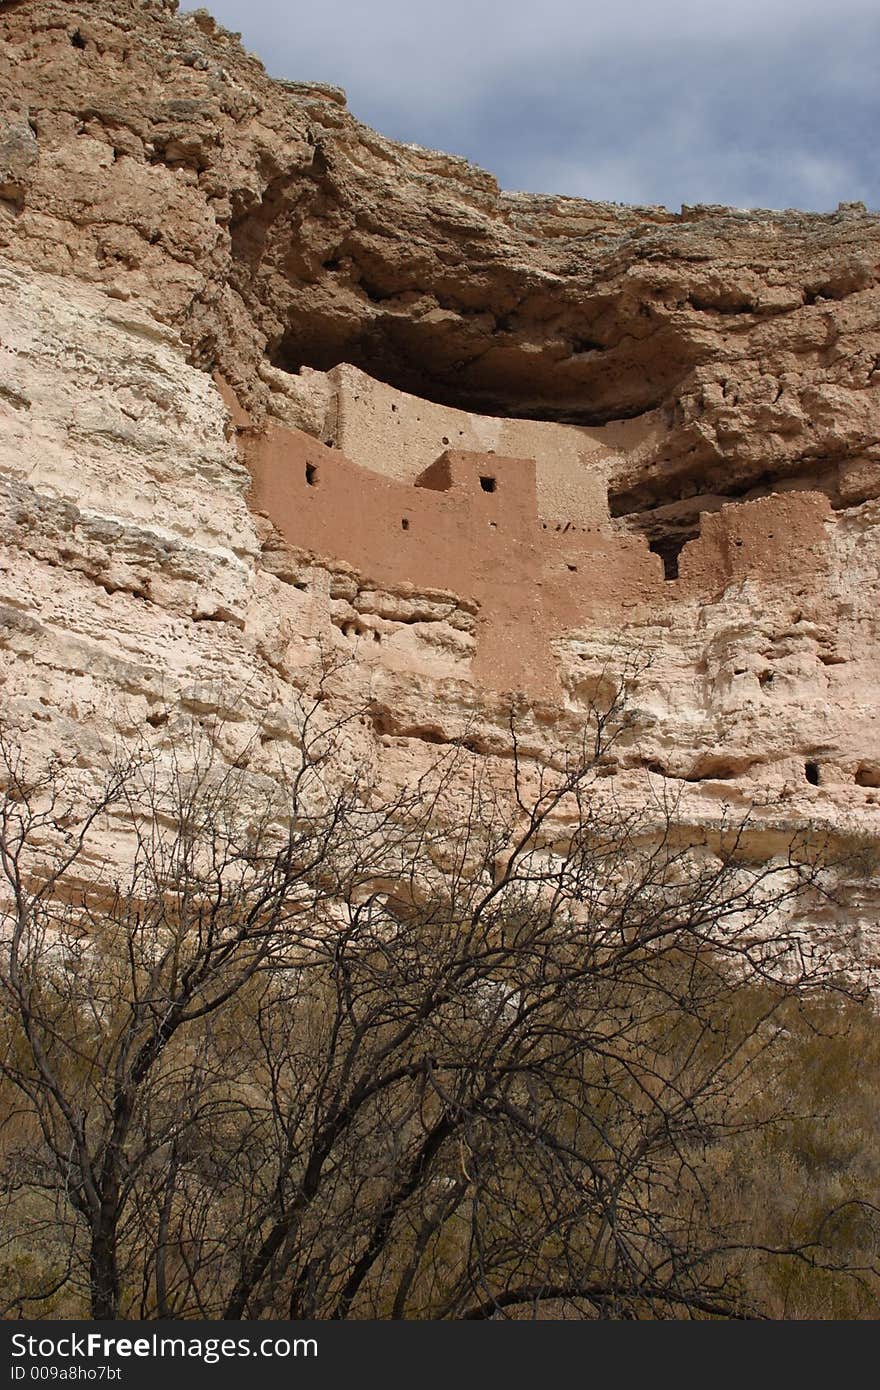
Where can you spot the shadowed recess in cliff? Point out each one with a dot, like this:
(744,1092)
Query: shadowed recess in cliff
(668,512)
(501,376)
(470,300)
(448,322)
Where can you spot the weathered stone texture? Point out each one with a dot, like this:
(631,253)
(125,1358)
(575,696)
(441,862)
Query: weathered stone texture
(205,272)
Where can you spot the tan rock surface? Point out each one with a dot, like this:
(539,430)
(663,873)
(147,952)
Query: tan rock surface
(167,211)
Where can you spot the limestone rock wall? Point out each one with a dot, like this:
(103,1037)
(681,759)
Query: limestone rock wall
(704,383)
(146,151)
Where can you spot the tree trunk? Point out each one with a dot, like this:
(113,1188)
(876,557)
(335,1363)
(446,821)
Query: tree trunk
(103,1271)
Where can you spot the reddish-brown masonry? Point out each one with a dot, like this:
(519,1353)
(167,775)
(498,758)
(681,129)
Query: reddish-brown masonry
(470,524)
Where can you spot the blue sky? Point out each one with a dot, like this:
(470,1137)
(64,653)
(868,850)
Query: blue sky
(752,103)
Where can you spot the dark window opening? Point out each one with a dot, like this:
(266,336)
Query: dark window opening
(573,569)
(311,475)
(669,548)
(811,772)
(77,39)
(487,484)
(404,524)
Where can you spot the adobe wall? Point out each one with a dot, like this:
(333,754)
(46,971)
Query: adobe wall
(587,574)
(432,535)
(771,539)
(445,532)
(399,435)
(469,523)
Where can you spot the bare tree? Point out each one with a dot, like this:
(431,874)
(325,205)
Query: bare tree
(464,1053)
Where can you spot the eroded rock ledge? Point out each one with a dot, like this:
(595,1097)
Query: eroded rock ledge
(696,394)
(146,151)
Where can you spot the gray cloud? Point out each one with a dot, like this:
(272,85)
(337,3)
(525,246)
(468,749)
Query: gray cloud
(768,103)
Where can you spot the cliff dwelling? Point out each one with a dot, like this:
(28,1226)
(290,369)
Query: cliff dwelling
(439,710)
(470,443)
(510,513)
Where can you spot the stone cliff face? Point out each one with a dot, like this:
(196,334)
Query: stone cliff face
(191,252)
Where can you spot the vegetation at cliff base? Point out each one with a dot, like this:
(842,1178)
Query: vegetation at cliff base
(324,1054)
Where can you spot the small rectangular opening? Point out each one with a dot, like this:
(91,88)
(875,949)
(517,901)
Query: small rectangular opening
(311,474)
(487,484)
